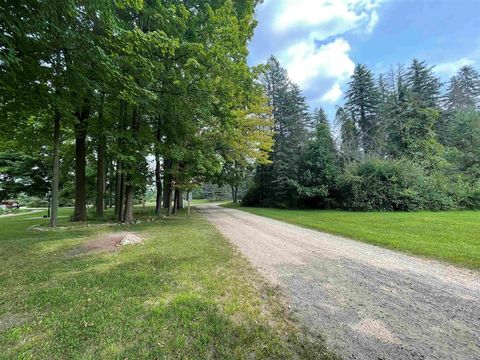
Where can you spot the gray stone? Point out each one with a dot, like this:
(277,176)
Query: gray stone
(130,239)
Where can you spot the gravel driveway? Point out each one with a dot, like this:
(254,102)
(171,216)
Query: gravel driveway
(368,302)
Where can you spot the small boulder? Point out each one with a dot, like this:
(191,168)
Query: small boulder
(130,239)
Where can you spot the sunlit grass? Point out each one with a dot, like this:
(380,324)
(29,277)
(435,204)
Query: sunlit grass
(183,294)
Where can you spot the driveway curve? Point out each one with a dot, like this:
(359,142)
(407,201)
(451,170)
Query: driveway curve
(367,302)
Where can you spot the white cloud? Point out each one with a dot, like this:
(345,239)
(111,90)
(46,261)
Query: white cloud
(321,70)
(332,95)
(448,69)
(328,17)
(306,63)
(373,22)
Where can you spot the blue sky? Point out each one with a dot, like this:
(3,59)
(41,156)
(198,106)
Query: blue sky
(320,41)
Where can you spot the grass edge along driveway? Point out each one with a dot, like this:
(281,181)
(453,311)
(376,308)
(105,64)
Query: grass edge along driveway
(450,236)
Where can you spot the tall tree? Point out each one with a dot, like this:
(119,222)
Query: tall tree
(463,91)
(422,84)
(319,169)
(290,120)
(349,135)
(362,100)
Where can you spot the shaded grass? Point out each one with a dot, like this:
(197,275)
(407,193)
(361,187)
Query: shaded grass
(452,236)
(184,293)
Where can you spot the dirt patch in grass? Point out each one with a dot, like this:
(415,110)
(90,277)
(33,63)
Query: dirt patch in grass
(10,320)
(106,243)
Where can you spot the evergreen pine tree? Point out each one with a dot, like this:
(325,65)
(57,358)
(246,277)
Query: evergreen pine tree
(464,90)
(319,169)
(362,103)
(422,84)
(349,135)
(276,182)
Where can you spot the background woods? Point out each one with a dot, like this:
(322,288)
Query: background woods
(402,141)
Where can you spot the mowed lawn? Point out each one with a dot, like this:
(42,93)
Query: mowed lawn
(452,236)
(183,294)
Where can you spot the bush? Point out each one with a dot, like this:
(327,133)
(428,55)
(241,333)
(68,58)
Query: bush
(252,197)
(387,185)
(37,203)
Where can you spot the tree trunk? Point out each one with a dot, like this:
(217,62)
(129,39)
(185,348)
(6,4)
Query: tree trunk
(171,201)
(56,170)
(167,184)
(236,194)
(158,177)
(128,213)
(175,201)
(233,194)
(129,179)
(80,212)
(100,177)
(180,200)
(118,188)
(120,179)
(158,182)
(121,199)
(100,166)
(111,181)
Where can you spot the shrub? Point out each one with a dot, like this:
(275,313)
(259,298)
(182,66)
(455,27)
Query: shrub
(387,185)
(37,203)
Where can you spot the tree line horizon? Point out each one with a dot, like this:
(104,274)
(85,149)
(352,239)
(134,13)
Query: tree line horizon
(406,142)
(91,90)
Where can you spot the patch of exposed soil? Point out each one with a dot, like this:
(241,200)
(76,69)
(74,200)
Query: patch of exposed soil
(106,243)
(11,320)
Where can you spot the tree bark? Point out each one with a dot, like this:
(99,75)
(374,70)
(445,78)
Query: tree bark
(128,213)
(171,201)
(118,188)
(175,201)
(158,182)
(158,177)
(180,200)
(128,179)
(80,212)
(100,199)
(56,169)
(167,184)
(120,181)
(110,185)
(121,199)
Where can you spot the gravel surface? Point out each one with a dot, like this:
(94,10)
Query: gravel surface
(368,302)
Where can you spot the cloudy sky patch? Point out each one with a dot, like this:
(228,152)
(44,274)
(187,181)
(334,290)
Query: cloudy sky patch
(320,41)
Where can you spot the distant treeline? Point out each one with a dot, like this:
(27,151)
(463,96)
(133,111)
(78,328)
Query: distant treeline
(402,141)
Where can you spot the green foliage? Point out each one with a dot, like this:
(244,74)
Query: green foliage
(463,134)
(386,185)
(277,181)
(463,91)
(22,173)
(319,169)
(362,100)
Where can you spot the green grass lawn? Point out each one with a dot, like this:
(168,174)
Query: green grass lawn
(183,294)
(452,236)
